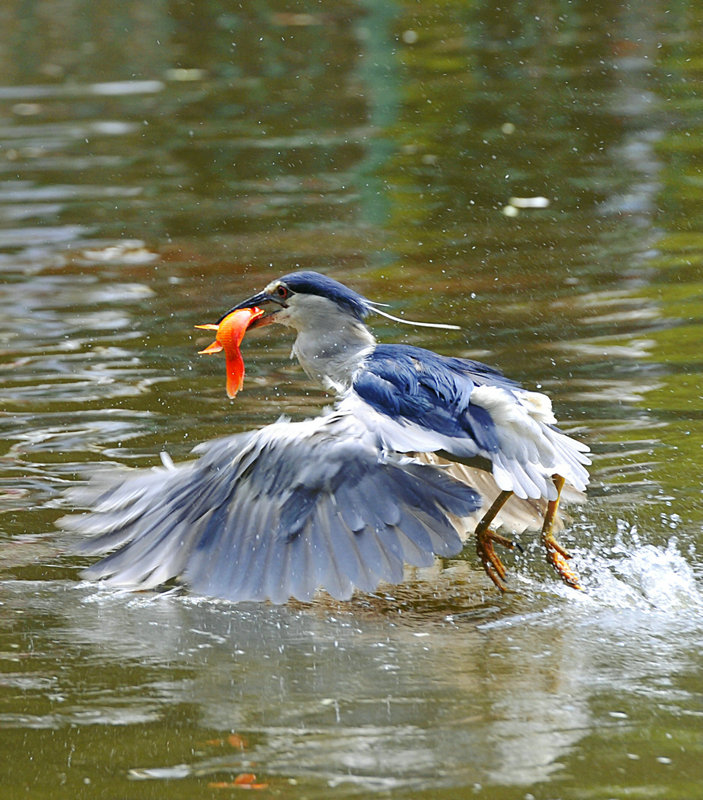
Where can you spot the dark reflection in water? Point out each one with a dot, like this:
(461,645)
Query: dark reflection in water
(530,173)
(497,694)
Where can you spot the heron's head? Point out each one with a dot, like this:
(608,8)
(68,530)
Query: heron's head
(311,302)
(305,300)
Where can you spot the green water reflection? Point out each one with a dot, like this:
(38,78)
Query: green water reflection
(158,161)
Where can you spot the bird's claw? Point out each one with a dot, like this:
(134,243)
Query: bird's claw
(557,557)
(495,569)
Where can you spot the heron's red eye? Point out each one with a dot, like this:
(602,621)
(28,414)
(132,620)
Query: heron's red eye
(282,292)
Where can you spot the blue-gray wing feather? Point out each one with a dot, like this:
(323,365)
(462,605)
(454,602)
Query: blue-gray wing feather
(420,402)
(415,385)
(276,514)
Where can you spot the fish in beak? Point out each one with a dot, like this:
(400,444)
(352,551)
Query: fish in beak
(271,301)
(230,331)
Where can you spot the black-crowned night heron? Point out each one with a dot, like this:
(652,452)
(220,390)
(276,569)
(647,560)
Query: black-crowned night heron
(419,451)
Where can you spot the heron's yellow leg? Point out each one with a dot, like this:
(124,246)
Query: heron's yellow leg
(556,555)
(484,543)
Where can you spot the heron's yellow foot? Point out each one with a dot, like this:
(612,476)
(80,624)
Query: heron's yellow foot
(495,569)
(558,557)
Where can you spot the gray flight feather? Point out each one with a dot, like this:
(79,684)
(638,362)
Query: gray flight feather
(275,514)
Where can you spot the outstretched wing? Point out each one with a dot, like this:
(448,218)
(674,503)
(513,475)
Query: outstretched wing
(276,514)
(418,401)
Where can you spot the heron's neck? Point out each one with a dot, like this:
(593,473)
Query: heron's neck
(332,355)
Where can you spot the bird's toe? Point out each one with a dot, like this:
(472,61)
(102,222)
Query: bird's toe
(557,557)
(494,567)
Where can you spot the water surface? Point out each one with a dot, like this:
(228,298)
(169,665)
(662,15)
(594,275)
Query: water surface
(159,161)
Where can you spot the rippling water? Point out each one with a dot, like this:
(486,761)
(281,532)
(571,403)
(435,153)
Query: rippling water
(158,162)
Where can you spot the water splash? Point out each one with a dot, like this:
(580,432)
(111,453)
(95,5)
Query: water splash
(639,576)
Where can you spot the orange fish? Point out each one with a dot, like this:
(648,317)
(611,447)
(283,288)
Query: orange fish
(230,333)
(247,780)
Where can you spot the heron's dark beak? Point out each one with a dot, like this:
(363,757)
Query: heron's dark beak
(260,300)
